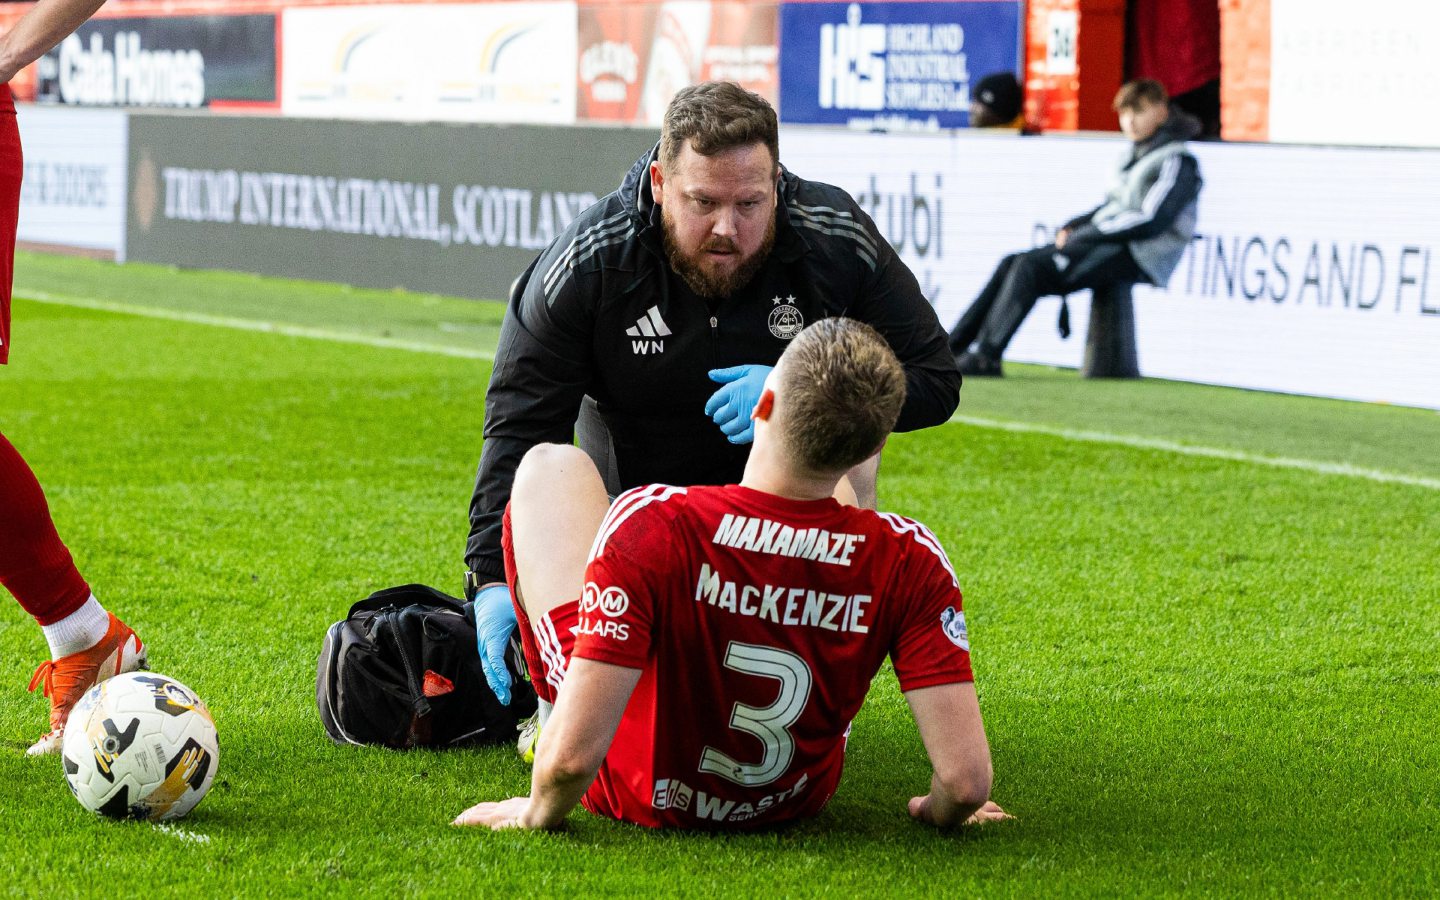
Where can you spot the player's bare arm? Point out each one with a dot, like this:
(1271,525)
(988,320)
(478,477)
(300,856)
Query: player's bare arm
(948,717)
(45,25)
(576,738)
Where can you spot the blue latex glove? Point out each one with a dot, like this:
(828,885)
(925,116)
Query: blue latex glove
(494,620)
(732,405)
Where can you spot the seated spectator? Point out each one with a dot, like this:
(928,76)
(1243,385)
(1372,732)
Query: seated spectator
(1137,235)
(997,102)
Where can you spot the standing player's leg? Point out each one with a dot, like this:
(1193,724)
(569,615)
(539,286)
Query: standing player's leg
(12,171)
(87,644)
(556,506)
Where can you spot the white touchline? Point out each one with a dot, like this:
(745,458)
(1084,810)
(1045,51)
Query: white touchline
(1069,434)
(300,331)
(1148,443)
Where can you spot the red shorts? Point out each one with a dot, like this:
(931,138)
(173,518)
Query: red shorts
(12,169)
(549,641)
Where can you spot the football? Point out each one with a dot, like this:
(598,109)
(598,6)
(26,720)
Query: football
(140,746)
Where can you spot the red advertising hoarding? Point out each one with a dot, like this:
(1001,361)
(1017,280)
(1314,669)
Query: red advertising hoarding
(634,57)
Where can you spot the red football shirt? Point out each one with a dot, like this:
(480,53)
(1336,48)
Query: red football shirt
(758,623)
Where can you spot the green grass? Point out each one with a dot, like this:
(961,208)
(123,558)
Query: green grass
(1198,675)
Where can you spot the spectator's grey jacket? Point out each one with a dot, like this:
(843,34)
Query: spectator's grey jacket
(603,315)
(1152,206)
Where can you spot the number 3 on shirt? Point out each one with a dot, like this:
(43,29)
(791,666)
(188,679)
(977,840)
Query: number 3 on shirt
(768,723)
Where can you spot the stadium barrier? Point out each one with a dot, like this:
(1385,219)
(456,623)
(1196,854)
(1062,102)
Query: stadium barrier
(1314,270)
(449,209)
(73,194)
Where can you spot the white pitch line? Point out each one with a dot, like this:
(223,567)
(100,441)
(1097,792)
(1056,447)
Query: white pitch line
(188,837)
(1146,443)
(300,331)
(1092,437)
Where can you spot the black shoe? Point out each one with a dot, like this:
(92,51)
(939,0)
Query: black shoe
(978,365)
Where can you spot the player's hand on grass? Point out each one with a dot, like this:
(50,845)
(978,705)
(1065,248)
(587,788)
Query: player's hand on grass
(495,816)
(494,620)
(933,812)
(732,405)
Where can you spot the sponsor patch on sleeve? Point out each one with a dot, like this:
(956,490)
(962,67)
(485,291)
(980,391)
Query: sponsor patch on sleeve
(952,621)
(600,608)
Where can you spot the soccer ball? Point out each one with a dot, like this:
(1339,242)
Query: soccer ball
(140,746)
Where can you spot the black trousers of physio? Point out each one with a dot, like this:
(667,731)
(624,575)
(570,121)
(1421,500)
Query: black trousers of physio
(1023,278)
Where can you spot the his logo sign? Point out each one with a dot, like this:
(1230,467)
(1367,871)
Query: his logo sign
(852,64)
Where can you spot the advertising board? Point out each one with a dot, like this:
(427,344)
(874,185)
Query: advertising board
(1314,270)
(457,210)
(892,66)
(441,62)
(1353,73)
(182,62)
(634,57)
(73,194)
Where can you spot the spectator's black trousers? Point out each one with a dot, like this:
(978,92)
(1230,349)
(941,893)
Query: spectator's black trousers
(1023,278)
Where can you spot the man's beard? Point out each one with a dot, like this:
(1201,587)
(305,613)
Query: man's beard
(707,283)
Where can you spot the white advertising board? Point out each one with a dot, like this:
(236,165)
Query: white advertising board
(1343,72)
(73,194)
(1314,270)
(485,62)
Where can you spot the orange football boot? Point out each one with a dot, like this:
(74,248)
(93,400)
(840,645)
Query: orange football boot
(68,678)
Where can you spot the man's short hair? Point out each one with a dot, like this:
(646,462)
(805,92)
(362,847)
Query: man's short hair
(843,389)
(716,116)
(1140,92)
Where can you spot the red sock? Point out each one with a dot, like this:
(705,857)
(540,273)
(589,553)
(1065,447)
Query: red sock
(34,564)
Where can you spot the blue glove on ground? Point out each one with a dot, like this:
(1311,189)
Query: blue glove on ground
(494,620)
(732,405)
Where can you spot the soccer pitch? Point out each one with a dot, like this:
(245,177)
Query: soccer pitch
(1206,622)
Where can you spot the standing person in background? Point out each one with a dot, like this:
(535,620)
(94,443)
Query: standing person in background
(87,643)
(1137,235)
(656,316)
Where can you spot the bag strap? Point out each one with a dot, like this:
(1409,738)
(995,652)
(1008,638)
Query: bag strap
(408,595)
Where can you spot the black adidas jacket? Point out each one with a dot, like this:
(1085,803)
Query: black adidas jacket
(602,314)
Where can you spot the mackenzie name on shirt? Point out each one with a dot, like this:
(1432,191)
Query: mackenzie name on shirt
(784,605)
(765,536)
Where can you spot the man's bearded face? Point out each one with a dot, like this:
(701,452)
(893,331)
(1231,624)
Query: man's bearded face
(718,214)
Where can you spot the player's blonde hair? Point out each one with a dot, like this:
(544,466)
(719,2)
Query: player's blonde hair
(842,390)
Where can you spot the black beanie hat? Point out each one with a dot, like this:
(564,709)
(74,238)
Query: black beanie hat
(1000,92)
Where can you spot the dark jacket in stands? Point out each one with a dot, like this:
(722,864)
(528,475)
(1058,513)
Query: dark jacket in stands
(1151,208)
